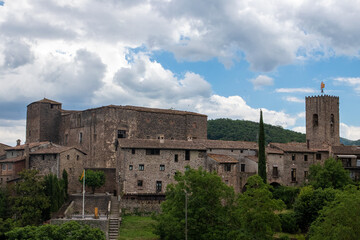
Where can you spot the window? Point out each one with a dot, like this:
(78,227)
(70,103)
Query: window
(152,151)
(242,167)
(293,157)
(318,156)
(121,134)
(4,167)
(66,138)
(158,186)
(130,167)
(332,120)
(162,167)
(141,167)
(305,158)
(77,157)
(241,151)
(348,163)
(140,183)
(9,166)
(306,174)
(315,120)
(275,172)
(133,151)
(67,157)
(226,182)
(80,137)
(43,157)
(293,175)
(187,154)
(176,158)
(227,167)
(232,150)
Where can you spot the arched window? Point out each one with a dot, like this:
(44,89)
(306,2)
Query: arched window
(315,120)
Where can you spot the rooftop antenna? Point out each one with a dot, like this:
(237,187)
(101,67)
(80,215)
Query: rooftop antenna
(322,86)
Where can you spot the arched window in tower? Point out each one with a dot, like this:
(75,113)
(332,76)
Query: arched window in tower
(315,120)
(332,121)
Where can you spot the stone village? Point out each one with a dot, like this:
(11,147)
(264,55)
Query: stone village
(141,149)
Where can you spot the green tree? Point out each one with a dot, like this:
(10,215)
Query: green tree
(308,204)
(210,204)
(67,231)
(66,182)
(54,190)
(94,179)
(30,200)
(340,219)
(286,194)
(5,208)
(262,156)
(5,226)
(331,175)
(254,216)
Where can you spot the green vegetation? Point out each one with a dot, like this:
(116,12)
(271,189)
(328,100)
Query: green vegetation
(137,228)
(67,231)
(340,219)
(241,130)
(286,194)
(55,191)
(94,179)
(332,174)
(215,212)
(262,155)
(66,182)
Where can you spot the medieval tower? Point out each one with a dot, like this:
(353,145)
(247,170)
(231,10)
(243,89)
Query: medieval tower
(322,121)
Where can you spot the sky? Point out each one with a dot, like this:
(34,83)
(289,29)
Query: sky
(225,59)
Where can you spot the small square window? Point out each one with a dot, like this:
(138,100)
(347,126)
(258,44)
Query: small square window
(9,166)
(275,172)
(4,167)
(152,151)
(293,157)
(121,134)
(162,167)
(318,156)
(176,158)
(133,151)
(43,157)
(227,167)
(67,157)
(158,186)
(140,183)
(77,157)
(293,175)
(187,155)
(305,158)
(141,167)
(130,167)
(241,151)
(306,174)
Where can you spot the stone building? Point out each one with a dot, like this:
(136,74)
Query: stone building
(141,149)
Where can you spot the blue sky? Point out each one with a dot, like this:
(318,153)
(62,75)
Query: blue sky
(226,59)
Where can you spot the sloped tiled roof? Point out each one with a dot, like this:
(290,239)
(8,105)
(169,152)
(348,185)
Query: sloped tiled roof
(45,100)
(54,150)
(22,147)
(154,143)
(346,150)
(273,150)
(292,147)
(253,158)
(220,144)
(12,160)
(220,158)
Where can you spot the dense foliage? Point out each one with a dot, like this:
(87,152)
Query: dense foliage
(55,191)
(30,201)
(261,153)
(66,182)
(286,194)
(94,179)
(340,219)
(308,204)
(67,231)
(214,211)
(241,130)
(288,222)
(331,174)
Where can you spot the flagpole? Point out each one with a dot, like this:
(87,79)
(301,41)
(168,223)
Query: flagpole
(83,205)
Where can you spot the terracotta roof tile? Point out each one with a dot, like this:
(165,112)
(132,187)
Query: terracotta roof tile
(220,158)
(346,150)
(54,150)
(292,147)
(45,100)
(31,145)
(15,159)
(253,158)
(273,150)
(153,143)
(220,144)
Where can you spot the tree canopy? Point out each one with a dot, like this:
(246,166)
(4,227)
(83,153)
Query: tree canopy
(330,175)
(94,179)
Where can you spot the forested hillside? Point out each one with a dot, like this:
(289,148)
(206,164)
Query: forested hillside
(241,130)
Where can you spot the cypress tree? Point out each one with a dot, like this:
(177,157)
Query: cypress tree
(66,182)
(262,157)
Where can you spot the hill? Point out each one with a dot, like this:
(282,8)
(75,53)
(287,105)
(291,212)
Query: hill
(241,130)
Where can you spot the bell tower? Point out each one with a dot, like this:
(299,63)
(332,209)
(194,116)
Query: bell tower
(322,121)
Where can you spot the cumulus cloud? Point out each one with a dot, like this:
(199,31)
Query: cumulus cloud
(299,129)
(349,132)
(294,90)
(11,130)
(294,99)
(351,81)
(17,53)
(261,81)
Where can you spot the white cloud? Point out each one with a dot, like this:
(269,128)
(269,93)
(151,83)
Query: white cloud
(261,81)
(294,99)
(349,132)
(299,129)
(11,130)
(352,81)
(295,90)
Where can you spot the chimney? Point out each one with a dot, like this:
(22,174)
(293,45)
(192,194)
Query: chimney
(18,142)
